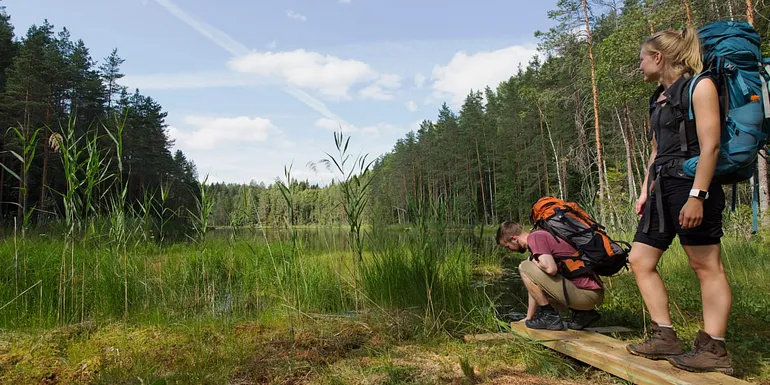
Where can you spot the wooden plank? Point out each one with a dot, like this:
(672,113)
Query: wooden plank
(508,336)
(610,355)
(610,329)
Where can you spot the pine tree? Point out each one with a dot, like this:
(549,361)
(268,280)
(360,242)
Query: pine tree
(110,72)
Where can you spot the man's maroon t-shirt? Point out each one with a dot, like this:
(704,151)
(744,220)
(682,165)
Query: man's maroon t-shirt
(543,242)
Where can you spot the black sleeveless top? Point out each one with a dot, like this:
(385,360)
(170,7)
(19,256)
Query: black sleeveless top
(669,120)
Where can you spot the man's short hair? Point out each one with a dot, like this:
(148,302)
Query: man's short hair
(507,229)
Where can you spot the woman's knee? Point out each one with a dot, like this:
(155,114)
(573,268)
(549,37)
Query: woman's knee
(643,258)
(705,260)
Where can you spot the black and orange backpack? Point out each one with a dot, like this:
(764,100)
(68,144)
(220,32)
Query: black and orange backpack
(596,251)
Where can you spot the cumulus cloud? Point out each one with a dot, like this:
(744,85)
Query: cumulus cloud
(328,74)
(213,132)
(382,88)
(295,15)
(465,72)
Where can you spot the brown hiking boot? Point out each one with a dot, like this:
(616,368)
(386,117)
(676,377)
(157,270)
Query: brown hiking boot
(661,344)
(707,355)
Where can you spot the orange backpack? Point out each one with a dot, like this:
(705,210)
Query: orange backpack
(596,251)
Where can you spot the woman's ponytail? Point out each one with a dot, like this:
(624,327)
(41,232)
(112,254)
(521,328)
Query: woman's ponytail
(680,50)
(690,54)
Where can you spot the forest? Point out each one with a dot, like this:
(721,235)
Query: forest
(62,114)
(573,125)
(120,263)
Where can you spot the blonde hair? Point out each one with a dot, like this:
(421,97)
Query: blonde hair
(680,50)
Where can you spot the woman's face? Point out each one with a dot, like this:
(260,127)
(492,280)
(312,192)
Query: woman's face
(650,64)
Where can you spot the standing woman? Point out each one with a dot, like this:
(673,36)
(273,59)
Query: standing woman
(674,204)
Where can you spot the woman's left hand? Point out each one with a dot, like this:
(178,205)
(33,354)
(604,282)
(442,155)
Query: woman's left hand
(691,214)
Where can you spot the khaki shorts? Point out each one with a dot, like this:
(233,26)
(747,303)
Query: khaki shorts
(554,287)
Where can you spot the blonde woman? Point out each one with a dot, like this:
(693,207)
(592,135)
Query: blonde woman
(674,204)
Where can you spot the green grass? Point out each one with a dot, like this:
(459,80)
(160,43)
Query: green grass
(188,302)
(747,265)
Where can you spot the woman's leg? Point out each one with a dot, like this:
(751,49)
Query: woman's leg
(663,341)
(643,260)
(716,295)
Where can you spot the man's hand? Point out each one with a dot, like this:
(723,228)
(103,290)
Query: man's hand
(546,263)
(691,214)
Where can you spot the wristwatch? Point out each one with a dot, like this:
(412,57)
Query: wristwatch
(700,194)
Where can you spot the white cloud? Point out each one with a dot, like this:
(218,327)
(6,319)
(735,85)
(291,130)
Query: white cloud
(328,74)
(382,88)
(237,49)
(296,16)
(465,72)
(209,133)
(272,44)
(419,80)
(411,106)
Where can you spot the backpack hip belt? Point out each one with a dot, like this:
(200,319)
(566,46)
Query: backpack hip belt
(671,169)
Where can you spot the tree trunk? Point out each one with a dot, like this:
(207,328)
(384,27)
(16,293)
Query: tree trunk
(493,192)
(599,160)
(730,9)
(715,9)
(764,194)
(481,182)
(545,157)
(749,13)
(2,183)
(629,165)
(580,157)
(686,5)
(553,148)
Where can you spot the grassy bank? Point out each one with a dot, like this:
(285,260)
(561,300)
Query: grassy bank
(240,309)
(748,271)
(315,351)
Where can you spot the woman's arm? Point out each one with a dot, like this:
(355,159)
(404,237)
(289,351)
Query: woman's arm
(705,104)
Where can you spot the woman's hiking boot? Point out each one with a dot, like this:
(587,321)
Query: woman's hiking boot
(707,355)
(545,319)
(662,343)
(582,318)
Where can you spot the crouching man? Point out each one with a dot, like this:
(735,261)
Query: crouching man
(546,287)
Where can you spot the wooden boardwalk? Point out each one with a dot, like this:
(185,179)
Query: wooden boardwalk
(610,355)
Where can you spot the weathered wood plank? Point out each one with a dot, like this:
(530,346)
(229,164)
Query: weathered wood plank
(610,355)
(508,336)
(610,329)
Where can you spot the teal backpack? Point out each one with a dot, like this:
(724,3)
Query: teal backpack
(733,59)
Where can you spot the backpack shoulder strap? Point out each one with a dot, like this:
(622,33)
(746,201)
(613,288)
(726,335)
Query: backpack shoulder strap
(719,82)
(686,104)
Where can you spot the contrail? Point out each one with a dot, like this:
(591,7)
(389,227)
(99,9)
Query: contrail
(235,48)
(218,37)
(315,104)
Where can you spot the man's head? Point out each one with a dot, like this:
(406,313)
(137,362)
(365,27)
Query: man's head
(511,236)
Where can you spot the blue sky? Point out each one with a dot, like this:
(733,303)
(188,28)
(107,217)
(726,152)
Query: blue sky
(252,86)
